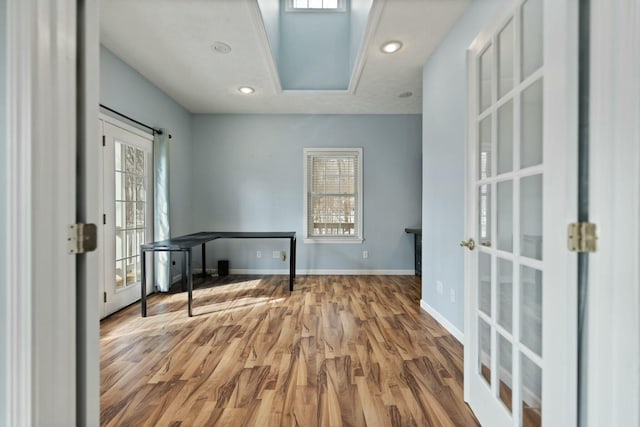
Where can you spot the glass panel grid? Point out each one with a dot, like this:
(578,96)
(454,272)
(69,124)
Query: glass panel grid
(130,212)
(513,318)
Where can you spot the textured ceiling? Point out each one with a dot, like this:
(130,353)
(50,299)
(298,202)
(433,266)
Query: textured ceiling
(170,43)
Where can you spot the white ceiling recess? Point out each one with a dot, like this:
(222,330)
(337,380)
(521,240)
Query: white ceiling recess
(170,43)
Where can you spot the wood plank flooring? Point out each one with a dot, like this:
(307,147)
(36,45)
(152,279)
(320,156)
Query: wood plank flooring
(337,351)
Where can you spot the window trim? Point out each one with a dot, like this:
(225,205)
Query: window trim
(342,7)
(359,238)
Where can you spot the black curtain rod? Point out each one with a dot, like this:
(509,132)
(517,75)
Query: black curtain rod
(151,128)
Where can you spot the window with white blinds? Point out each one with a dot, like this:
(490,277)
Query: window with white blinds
(333,194)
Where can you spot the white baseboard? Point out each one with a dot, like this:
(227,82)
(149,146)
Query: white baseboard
(357,272)
(457,333)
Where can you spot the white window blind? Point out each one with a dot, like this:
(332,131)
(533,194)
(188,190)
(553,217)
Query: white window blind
(333,194)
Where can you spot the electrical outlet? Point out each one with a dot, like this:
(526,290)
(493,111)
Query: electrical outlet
(259,254)
(439,287)
(275,254)
(452,295)
(365,254)
(283,255)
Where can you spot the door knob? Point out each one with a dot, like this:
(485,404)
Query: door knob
(470,244)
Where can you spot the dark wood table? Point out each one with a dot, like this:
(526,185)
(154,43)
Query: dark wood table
(185,245)
(417,245)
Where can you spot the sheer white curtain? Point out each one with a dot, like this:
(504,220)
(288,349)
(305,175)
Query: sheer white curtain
(161,229)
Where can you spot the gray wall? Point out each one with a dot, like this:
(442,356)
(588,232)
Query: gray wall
(248,175)
(124,89)
(3,208)
(444,148)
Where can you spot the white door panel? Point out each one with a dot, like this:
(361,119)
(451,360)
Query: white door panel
(520,353)
(128,208)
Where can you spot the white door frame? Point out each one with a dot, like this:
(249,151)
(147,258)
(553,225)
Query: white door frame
(613,302)
(103,308)
(89,211)
(560,202)
(41,274)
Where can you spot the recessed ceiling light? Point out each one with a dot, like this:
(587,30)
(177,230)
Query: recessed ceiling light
(247,90)
(221,47)
(405,94)
(391,47)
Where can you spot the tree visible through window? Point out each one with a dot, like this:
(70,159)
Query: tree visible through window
(333,194)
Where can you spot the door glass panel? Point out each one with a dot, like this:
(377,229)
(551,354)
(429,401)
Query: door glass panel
(531,309)
(119,274)
(129,159)
(531,393)
(485,78)
(484,213)
(119,215)
(505,216)
(118,156)
(484,347)
(532,50)
(505,293)
(505,59)
(484,280)
(505,370)
(531,148)
(505,138)
(484,142)
(531,216)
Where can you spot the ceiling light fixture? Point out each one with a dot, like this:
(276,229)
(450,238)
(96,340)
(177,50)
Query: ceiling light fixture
(220,47)
(391,47)
(247,90)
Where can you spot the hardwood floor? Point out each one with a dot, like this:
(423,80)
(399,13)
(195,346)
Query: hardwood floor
(337,351)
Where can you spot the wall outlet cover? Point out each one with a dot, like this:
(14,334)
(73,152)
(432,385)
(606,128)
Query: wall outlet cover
(365,254)
(259,254)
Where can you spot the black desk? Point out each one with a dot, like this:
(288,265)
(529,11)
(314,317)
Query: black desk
(185,244)
(417,241)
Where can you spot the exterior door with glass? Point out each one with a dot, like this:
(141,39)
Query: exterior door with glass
(520,305)
(128,211)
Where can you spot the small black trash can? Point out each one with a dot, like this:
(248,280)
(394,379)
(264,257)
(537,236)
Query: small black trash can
(223,267)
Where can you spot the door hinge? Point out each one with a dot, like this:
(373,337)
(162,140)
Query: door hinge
(82,238)
(582,237)
(104,140)
(104,296)
(104,219)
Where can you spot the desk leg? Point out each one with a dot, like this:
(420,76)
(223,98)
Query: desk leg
(204,261)
(292,263)
(143,285)
(184,273)
(187,255)
(295,256)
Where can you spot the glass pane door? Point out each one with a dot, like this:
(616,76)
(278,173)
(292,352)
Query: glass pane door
(128,206)
(507,274)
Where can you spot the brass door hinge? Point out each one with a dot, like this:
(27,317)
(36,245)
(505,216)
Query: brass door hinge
(104,295)
(82,238)
(582,237)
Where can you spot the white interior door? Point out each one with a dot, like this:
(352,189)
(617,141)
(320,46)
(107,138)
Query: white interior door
(128,211)
(519,312)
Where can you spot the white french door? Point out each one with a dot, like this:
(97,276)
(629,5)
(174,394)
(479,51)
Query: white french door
(520,305)
(128,211)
